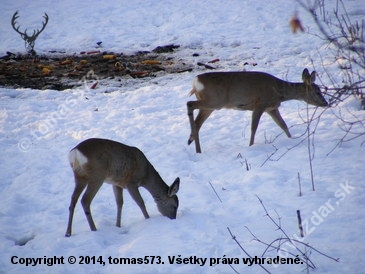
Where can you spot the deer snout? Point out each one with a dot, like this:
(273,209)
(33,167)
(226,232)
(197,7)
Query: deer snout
(317,99)
(170,212)
(324,103)
(172,217)
(169,207)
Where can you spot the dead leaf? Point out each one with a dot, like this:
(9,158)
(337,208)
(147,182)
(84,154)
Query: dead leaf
(296,24)
(151,62)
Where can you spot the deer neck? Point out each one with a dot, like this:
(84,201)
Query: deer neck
(155,185)
(290,91)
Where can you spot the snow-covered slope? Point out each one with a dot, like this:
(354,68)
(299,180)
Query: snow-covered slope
(38,128)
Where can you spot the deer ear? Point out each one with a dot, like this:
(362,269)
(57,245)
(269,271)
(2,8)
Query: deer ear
(312,77)
(308,79)
(174,188)
(305,75)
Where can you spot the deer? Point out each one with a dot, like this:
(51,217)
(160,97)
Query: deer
(30,40)
(248,90)
(95,161)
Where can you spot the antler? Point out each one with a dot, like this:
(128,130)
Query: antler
(35,33)
(44,25)
(29,40)
(13,22)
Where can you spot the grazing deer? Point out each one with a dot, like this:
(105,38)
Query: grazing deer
(256,91)
(94,161)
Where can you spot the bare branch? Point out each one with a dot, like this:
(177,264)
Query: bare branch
(241,247)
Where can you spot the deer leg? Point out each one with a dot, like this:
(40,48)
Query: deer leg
(79,187)
(118,193)
(203,115)
(275,115)
(86,200)
(134,192)
(194,136)
(256,115)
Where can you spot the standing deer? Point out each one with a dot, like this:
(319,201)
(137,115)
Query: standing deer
(95,161)
(256,91)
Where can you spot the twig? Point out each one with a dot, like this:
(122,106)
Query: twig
(291,240)
(215,192)
(300,186)
(241,247)
(233,269)
(350,133)
(300,223)
(347,39)
(280,228)
(282,241)
(302,138)
(309,150)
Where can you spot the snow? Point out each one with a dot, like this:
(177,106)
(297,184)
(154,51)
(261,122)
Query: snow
(39,127)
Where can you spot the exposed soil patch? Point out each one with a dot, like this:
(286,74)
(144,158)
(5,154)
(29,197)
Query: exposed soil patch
(59,71)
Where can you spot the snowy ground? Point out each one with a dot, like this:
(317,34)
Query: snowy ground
(38,128)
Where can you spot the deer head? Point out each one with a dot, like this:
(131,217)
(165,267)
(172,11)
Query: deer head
(30,40)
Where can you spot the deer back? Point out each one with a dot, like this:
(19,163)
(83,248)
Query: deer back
(111,161)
